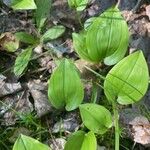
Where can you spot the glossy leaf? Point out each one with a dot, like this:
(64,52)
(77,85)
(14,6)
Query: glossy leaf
(65,87)
(23,4)
(22,61)
(42,12)
(101,41)
(27,143)
(26,38)
(95,117)
(53,33)
(127,82)
(81,141)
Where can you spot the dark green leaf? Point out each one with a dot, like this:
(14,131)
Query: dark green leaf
(53,33)
(26,38)
(22,61)
(42,12)
(81,141)
(95,117)
(127,82)
(27,143)
(65,87)
(23,4)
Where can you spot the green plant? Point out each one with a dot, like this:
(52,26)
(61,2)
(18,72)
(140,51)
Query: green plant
(126,83)
(37,40)
(79,5)
(65,81)
(99,41)
(24,142)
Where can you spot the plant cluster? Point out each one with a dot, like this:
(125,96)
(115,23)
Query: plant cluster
(104,39)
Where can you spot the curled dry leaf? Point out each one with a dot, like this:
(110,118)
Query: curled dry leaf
(141,130)
(8,42)
(39,93)
(8,88)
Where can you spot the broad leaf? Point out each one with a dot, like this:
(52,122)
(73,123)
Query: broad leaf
(95,117)
(53,33)
(65,87)
(81,141)
(23,4)
(101,43)
(127,82)
(42,12)
(22,61)
(26,38)
(27,143)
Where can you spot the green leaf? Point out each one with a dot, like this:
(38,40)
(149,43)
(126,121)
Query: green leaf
(65,87)
(101,41)
(95,117)
(80,5)
(81,141)
(127,82)
(53,33)
(26,38)
(27,143)
(23,4)
(42,12)
(22,61)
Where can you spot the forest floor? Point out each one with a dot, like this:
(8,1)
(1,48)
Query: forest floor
(24,106)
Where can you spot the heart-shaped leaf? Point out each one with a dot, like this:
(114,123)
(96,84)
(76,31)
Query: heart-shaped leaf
(22,61)
(127,82)
(27,143)
(53,33)
(81,141)
(100,40)
(23,4)
(65,87)
(95,117)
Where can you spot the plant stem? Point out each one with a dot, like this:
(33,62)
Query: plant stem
(116,123)
(118,3)
(79,18)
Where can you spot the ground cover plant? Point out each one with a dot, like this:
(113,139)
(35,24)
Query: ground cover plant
(103,41)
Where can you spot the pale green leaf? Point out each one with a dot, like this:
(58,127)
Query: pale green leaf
(23,4)
(53,33)
(95,117)
(102,40)
(42,12)
(27,143)
(127,82)
(81,141)
(26,38)
(22,61)
(65,87)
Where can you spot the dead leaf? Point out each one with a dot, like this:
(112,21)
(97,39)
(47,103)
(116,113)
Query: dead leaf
(38,91)
(8,42)
(8,88)
(148,11)
(141,130)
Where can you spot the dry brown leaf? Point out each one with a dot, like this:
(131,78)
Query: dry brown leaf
(8,42)
(141,130)
(148,11)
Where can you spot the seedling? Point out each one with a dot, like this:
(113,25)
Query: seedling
(37,40)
